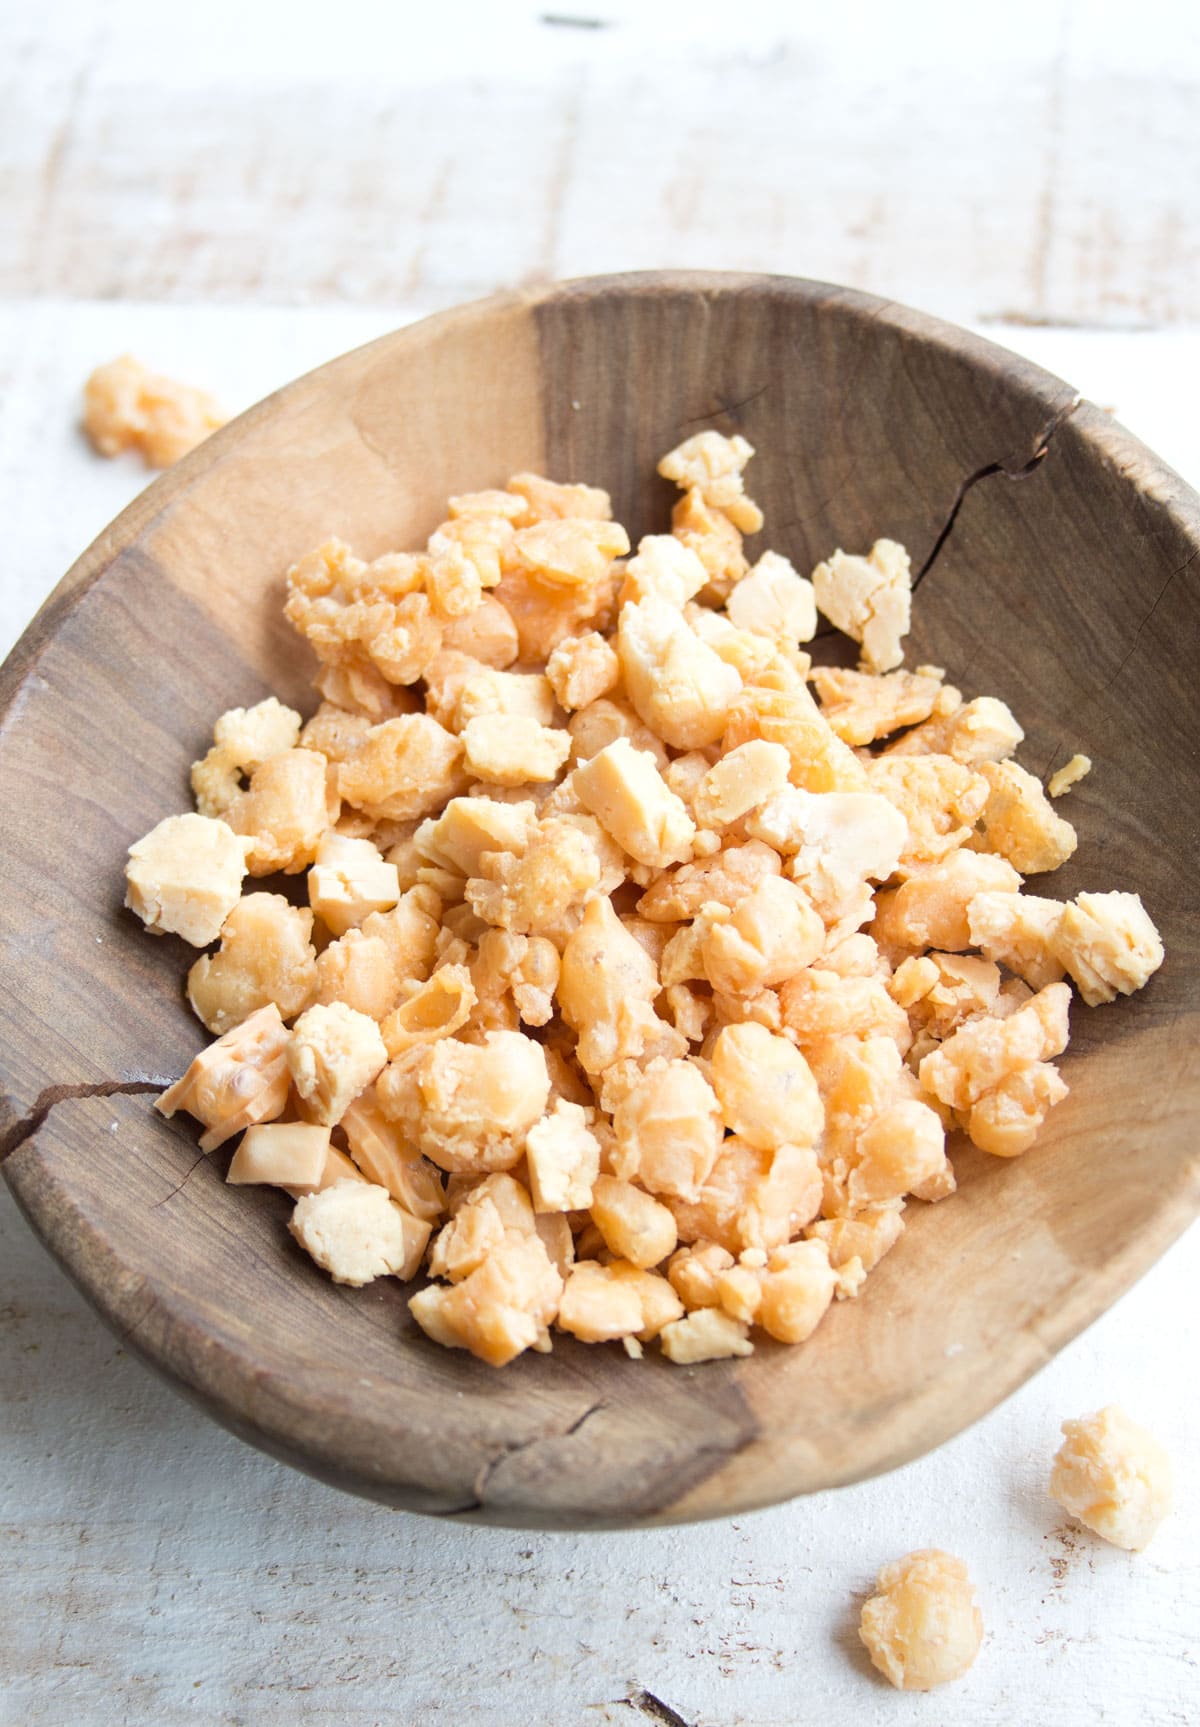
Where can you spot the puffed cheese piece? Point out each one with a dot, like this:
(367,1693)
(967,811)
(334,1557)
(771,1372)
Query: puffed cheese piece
(765,1087)
(693,1273)
(604,1302)
(357,969)
(870,600)
(819,1004)
(469,1107)
(922,1628)
(776,705)
(712,464)
(406,767)
(679,687)
(1019,823)
(1069,775)
(752,1198)
(436,1008)
(624,790)
(581,670)
(635,1226)
(489,691)
(348,881)
(546,500)
(484,540)
(739,782)
(185,876)
(940,799)
(285,810)
(903,1149)
(723,879)
(708,1334)
(333,1053)
(603,722)
(770,935)
(668,1130)
(482,1219)
(266,955)
(1108,944)
(541,891)
(1114,1476)
(470,826)
(997,1072)
(866,1236)
(409,932)
(128,407)
(985,1051)
(488,634)
(930,908)
(563,1157)
(281,1154)
(236,1082)
(797,1288)
(605,972)
(751,654)
(253,735)
(715,540)
(386,1158)
(243,739)
(984,730)
(569,551)
(837,840)
(512,749)
(861,707)
(774,600)
(663,568)
(514,978)
(501,1309)
(356,1232)
(1018,930)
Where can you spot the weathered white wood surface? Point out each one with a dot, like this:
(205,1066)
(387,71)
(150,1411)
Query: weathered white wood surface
(159,1572)
(1036,160)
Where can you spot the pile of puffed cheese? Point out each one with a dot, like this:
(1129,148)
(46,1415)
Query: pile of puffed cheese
(645,966)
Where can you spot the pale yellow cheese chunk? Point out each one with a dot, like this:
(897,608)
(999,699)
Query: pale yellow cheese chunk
(357,1233)
(348,881)
(281,1154)
(922,1628)
(185,877)
(624,790)
(333,1053)
(563,1157)
(870,600)
(513,749)
(708,1334)
(1114,1476)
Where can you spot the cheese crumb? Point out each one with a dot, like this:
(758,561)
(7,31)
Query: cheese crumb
(1069,775)
(1113,1476)
(127,407)
(922,1628)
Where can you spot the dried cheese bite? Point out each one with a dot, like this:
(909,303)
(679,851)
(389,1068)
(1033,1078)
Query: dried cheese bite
(642,973)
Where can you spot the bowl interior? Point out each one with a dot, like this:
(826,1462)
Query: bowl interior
(1059,564)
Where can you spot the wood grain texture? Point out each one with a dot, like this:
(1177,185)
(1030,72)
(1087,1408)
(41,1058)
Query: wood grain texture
(1072,592)
(1037,161)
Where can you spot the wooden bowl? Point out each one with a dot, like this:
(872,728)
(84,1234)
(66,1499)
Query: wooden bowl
(1059,565)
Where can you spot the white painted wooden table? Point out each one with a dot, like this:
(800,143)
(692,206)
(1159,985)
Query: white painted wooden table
(238,192)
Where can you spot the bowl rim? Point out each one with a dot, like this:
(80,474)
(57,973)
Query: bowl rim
(196,1377)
